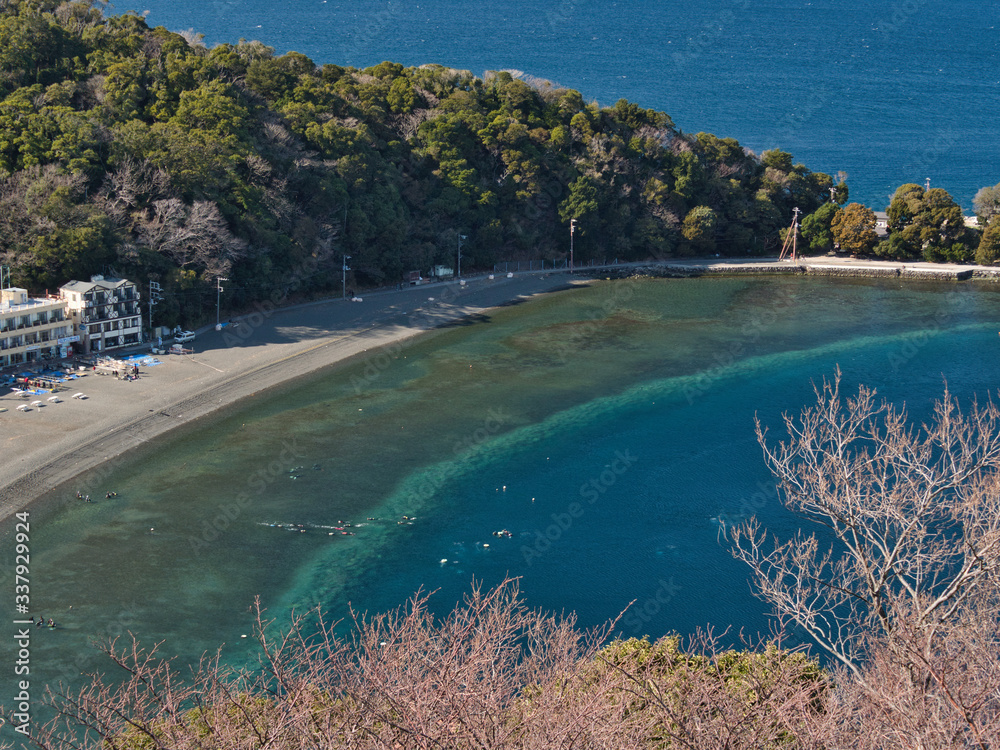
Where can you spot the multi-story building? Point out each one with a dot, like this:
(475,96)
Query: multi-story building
(104,311)
(32,328)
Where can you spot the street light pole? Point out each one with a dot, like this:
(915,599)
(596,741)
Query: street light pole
(572,229)
(345,270)
(154,297)
(218,298)
(459,257)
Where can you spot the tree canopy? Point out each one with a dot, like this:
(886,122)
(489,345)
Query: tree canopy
(926,225)
(853,229)
(139,137)
(118,140)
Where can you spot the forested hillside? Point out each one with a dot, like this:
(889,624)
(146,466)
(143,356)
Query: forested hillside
(141,150)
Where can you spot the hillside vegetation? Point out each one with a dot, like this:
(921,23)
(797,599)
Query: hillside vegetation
(140,150)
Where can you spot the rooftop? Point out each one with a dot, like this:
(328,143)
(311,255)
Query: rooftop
(96,282)
(17,300)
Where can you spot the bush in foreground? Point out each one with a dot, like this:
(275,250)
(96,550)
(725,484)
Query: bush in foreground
(491,674)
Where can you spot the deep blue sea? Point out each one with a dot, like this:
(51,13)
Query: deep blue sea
(889,91)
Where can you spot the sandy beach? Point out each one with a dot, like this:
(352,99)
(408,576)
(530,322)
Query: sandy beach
(51,444)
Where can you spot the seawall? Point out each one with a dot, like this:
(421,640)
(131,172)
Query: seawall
(844,268)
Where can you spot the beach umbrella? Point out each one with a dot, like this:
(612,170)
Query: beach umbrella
(24,407)
(36,403)
(53,399)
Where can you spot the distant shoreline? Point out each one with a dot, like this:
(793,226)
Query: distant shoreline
(56,443)
(834,267)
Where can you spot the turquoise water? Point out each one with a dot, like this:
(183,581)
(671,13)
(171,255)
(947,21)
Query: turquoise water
(609,429)
(890,91)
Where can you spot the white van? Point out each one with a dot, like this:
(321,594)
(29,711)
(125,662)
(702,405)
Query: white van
(183,337)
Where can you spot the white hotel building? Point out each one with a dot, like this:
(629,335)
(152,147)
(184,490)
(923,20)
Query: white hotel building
(32,328)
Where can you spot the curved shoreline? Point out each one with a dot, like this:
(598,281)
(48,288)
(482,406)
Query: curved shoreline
(54,443)
(58,442)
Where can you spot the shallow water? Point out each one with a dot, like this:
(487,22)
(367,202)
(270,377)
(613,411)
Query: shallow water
(609,429)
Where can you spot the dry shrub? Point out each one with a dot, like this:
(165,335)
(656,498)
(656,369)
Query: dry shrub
(492,674)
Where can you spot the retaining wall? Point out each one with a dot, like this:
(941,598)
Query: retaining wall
(684,270)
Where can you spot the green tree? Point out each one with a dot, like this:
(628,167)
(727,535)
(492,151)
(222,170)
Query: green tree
(125,88)
(841,193)
(214,107)
(274,78)
(853,229)
(401,97)
(988,253)
(816,229)
(927,224)
(699,228)
(581,201)
(789,185)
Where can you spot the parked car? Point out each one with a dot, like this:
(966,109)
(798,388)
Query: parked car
(183,337)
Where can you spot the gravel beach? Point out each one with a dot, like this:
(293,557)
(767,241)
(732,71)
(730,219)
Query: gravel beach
(51,444)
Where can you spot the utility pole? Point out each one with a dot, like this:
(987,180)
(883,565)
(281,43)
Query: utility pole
(791,239)
(218,297)
(572,229)
(345,269)
(459,257)
(795,233)
(154,297)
